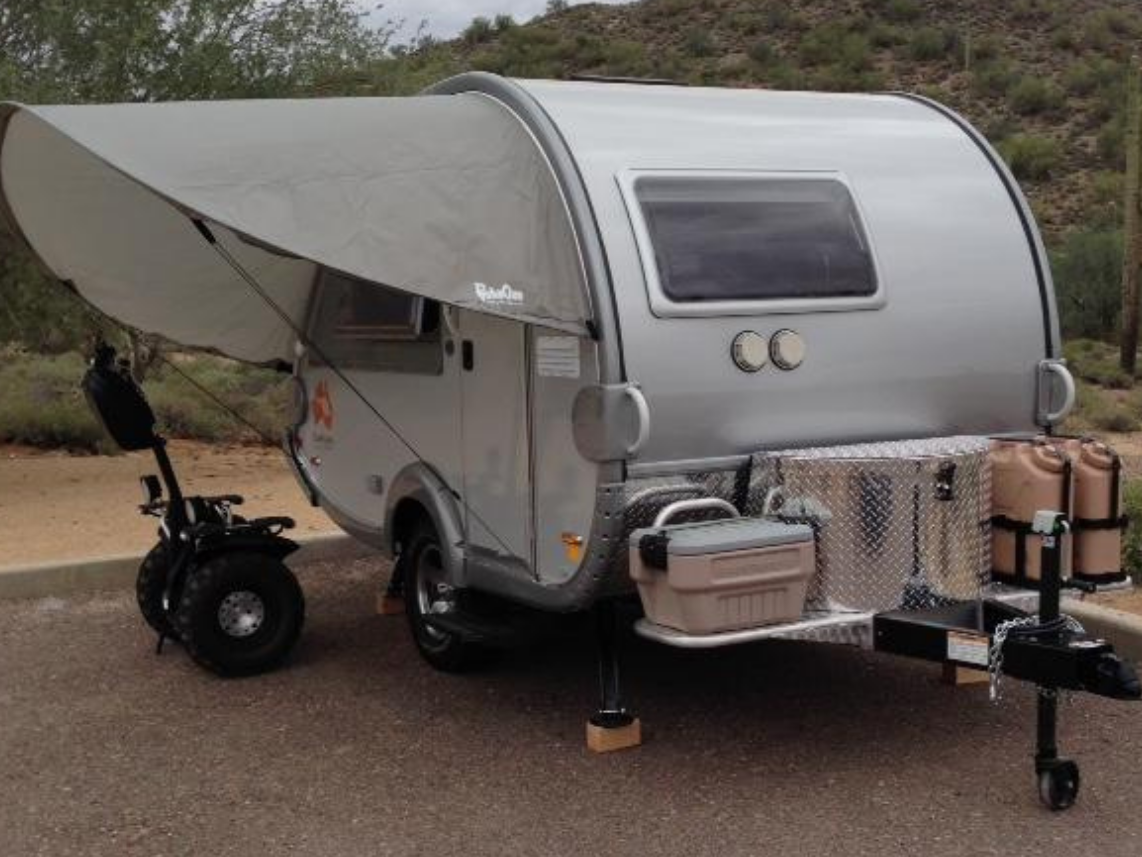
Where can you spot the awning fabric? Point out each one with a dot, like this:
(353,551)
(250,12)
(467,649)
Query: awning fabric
(448,197)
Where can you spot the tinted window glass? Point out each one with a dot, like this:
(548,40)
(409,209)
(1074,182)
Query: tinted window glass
(362,325)
(756,239)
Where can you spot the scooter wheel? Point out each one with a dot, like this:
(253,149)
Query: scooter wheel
(150,586)
(1059,785)
(240,613)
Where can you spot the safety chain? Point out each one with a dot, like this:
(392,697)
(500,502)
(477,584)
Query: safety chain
(999,637)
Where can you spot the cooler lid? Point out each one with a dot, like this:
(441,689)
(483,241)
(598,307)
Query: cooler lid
(734,534)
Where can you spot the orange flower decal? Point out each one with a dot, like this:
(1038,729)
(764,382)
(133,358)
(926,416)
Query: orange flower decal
(323,406)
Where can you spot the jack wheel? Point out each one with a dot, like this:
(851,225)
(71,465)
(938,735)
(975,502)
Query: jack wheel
(149,588)
(1059,785)
(240,613)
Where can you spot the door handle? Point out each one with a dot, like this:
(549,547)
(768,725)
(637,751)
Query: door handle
(467,355)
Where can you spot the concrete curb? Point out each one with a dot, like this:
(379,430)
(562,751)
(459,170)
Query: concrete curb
(118,572)
(1122,629)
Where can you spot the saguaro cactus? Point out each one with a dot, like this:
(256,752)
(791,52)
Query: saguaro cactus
(1132,227)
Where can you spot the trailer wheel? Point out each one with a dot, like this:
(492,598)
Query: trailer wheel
(149,588)
(240,613)
(426,591)
(1059,785)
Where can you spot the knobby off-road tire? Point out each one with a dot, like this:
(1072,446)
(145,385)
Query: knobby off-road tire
(240,613)
(149,588)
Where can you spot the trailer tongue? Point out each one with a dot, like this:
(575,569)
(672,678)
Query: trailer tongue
(1049,650)
(896,540)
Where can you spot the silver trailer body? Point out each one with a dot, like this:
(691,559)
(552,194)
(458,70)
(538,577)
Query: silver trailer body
(539,402)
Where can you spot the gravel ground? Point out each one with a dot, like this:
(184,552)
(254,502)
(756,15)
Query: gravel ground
(357,748)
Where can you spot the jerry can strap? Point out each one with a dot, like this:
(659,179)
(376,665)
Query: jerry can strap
(1021,529)
(1119,523)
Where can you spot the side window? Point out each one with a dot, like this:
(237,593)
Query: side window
(361,325)
(755,239)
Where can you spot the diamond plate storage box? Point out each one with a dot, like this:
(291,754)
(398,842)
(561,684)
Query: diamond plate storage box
(899,525)
(722,575)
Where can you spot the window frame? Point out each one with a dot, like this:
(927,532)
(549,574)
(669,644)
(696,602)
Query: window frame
(397,338)
(663,306)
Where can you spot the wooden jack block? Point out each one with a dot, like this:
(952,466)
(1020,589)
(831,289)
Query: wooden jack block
(389,605)
(958,676)
(603,740)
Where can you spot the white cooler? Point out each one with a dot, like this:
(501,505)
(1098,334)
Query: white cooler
(702,578)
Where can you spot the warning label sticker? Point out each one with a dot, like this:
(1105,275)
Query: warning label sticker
(557,356)
(967,648)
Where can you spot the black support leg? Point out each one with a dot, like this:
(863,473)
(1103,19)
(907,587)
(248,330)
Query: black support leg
(612,727)
(1058,778)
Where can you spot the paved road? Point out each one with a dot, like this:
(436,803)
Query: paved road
(359,749)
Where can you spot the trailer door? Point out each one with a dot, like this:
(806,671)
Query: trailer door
(496,443)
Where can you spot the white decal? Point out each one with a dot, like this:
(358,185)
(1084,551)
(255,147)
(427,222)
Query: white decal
(968,648)
(557,356)
(505,294)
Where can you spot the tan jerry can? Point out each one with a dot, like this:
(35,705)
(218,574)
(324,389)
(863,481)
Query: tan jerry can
(702,578)
(1097,520)
(1027,476)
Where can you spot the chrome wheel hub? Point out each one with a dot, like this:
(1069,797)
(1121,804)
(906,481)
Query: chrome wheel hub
(241,614)
(433,594)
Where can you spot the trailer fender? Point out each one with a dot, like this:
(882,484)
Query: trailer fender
(418,490)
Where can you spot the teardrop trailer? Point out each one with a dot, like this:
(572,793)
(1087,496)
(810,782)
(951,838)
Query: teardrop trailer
(746,353)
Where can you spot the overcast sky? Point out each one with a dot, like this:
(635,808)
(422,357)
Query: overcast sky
(446,18)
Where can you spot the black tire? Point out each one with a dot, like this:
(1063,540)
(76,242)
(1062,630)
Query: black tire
(149,588)
(1059,785)
(240,613)
(424,567)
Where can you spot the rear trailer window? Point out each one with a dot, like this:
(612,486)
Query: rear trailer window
(756,239)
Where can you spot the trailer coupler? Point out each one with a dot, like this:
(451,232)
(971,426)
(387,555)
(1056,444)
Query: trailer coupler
(1049,650)
(963,634)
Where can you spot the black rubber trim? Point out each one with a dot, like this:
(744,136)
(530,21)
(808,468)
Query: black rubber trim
(1017,200)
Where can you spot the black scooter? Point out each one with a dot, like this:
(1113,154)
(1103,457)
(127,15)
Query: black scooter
(215,582)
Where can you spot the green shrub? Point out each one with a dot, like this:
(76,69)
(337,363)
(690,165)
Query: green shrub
(1106,196)
(993,78)
(881,35)
(1031,158)
(835,78)
(986,49)
(699,43)
(503,22)
(901,11)
(1096,362)
(1030,95)
(1065,39)
(1087,269)
(478,32)
(932,43)
(784,75)
(780,17)
(1132,542)
(43,405)
(1103,28)
(1111,142)
(762,52)
(836,45)
(626,59)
